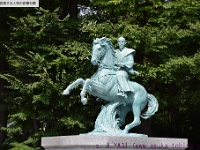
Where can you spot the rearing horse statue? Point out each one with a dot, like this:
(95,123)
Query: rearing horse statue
(103,84)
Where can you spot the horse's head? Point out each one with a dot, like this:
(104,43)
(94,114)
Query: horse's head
(100,47)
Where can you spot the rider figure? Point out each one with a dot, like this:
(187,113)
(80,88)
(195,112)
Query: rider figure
(125,61)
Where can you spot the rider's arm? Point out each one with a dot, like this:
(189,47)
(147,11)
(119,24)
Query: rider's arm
(129,61)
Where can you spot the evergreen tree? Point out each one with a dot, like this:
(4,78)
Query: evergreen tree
(48,49)
(43,54)
(164,34)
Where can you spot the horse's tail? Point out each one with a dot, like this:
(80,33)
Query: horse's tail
(152,107)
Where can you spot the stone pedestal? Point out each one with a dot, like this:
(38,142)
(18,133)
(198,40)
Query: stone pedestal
(89,142)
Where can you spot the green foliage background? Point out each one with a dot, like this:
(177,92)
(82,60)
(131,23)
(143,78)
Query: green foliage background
(46,49)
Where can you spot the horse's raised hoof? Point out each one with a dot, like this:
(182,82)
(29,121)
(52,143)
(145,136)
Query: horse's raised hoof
(66,92)
(84,101)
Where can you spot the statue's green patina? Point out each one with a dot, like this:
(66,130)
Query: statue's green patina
(111,83)
(124,60)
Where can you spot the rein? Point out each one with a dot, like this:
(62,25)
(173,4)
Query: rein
(104,66)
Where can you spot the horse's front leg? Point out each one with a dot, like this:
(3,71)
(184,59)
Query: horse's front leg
(84,90)
(93,87)
(79,81)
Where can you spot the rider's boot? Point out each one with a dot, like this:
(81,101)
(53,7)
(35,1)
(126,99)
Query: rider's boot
(122,94)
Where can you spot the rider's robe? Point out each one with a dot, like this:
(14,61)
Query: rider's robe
(125,57)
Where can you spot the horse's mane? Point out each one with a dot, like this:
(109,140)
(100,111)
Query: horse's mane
(104,41)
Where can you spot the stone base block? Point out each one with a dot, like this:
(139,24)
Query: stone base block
(89,142)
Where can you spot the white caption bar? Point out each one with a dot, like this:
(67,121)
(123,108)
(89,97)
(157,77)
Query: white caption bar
(19,3)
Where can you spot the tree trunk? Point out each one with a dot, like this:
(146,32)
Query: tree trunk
(73,8)
(145,127)
(3,111)
(3,123)
(36,125)
(69,7)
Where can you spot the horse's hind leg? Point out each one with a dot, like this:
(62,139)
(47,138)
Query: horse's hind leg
(137,106)
(123,113)
(79,81)
(136,121)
